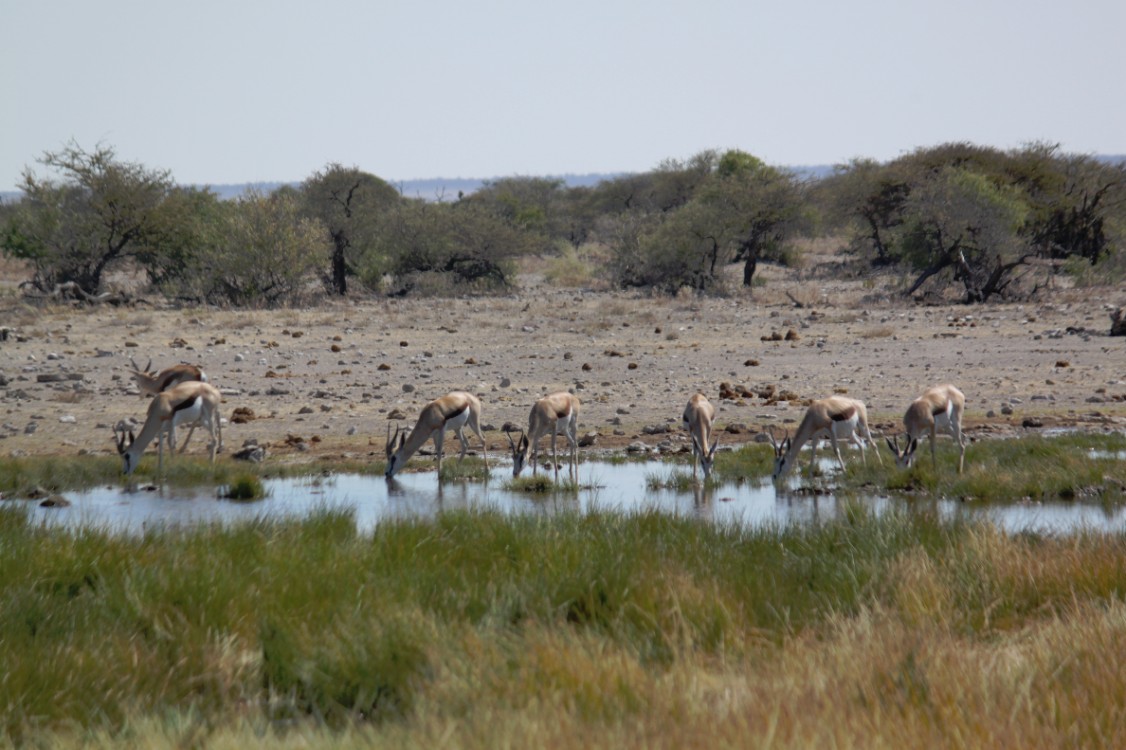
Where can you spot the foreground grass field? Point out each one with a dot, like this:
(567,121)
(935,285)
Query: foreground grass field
(484,630)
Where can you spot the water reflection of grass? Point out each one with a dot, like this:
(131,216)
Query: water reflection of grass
(525,630)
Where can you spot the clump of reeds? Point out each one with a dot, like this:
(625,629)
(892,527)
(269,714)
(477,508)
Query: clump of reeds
(244,487)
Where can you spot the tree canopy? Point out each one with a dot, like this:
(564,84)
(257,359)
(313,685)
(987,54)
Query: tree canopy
(985,222)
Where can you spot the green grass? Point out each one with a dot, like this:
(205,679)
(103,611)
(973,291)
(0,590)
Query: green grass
(244,487)
(20,475)
(540,483)
(678,479)
(753,461)
(470,469)
(586,623)
(1073,466)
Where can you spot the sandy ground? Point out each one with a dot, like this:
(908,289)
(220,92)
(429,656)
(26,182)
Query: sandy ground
(324,382)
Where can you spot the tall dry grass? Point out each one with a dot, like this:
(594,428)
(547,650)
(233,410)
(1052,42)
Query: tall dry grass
(479,630)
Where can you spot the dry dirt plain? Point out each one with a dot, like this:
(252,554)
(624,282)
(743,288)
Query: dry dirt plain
(323,382)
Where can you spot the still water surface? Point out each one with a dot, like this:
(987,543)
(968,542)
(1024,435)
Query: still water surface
(606,486)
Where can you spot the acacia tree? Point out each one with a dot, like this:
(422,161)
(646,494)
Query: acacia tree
(959,221)
(462,243)
(186,230)
(981,217)
(740,213)
(100,212)
(268,253)
(347,202)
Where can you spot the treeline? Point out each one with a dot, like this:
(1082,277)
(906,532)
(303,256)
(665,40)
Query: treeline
(986,222)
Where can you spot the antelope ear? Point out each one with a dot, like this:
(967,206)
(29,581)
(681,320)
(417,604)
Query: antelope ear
(892,445)
(511,442)
(131,438)
(715,444)
(912,445)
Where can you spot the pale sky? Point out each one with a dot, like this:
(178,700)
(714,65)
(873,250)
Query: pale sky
(273,90)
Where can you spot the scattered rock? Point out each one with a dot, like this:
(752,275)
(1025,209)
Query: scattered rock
(250,451)
(242,415)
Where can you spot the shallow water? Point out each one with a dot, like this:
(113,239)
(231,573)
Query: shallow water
(605,486)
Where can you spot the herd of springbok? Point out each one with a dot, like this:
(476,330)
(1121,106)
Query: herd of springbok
(181,396)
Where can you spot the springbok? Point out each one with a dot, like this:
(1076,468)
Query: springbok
(836,418)
(698,418)
(557,413)
(450,412)
(151,382)
(940,407)
(187,403)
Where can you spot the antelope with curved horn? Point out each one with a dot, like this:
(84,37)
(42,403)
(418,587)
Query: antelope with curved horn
(450,412)
(151,382)
(940,407)
(557,413)
(836,418)
(187,403)
(698,418)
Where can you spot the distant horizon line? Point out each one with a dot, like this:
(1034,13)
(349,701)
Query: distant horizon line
(573,179)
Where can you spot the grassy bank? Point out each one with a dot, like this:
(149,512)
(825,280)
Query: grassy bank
(481,630)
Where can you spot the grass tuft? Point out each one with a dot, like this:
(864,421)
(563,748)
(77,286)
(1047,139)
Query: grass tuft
(244,487)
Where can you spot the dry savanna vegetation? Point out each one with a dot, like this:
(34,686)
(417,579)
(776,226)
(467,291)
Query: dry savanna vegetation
(478,629)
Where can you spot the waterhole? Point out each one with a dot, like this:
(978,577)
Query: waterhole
(623,487)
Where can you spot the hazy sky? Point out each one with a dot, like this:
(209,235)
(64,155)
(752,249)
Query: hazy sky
(238,91)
